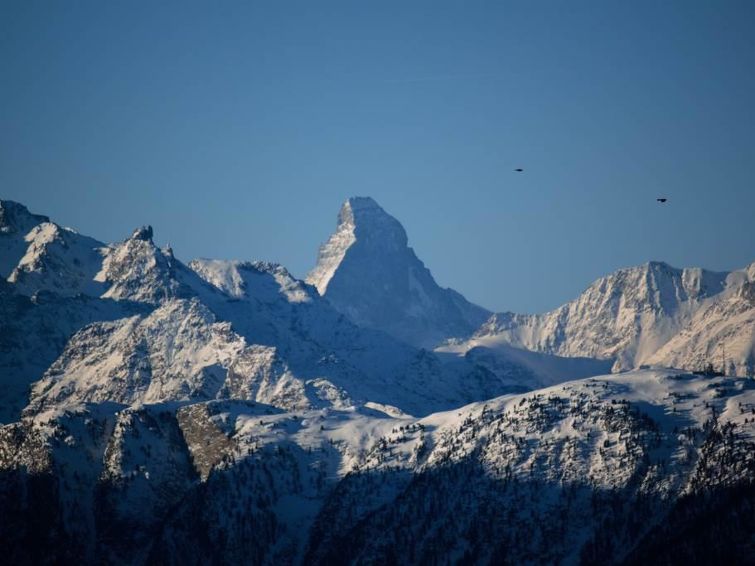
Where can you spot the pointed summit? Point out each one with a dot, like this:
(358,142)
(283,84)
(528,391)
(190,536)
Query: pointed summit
(59,260)
(143,233)
(360,219)
(368,272)
(372,224)
(15,223)
(137,270)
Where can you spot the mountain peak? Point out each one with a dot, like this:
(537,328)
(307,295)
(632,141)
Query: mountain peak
(15,217)
(362,203)
(16,222)
(371,224)
(143,233)
(361,219)
(368,272)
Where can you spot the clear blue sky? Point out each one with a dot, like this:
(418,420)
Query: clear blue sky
(237,129)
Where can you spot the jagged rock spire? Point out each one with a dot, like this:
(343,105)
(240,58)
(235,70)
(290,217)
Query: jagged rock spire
(143,233)
(368,272)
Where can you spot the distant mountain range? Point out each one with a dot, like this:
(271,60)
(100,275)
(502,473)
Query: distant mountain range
(162,412)
(651,314)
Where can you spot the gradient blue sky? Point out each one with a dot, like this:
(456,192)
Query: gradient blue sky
(237,129)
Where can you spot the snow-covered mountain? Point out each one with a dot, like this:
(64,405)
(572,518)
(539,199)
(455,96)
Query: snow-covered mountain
(34,331)
(650,314)
(602,470)
(15,223)
(367,271)
(146,328)
(592,471)
(722,328)
(225,411)
(58,260)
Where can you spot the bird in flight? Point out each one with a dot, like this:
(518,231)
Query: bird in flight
(661,200)
(518,170)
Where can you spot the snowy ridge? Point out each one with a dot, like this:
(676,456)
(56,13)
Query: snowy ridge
(59,260)
(15,223)
(137,270)
(320,345)
(630,315)
(34,331)
(231,277)
(555,463)
(175,353)
(721,332)
(536,477)
(332,252)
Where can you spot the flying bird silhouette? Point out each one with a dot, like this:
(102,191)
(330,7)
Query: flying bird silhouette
(661,200)
(519,170)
